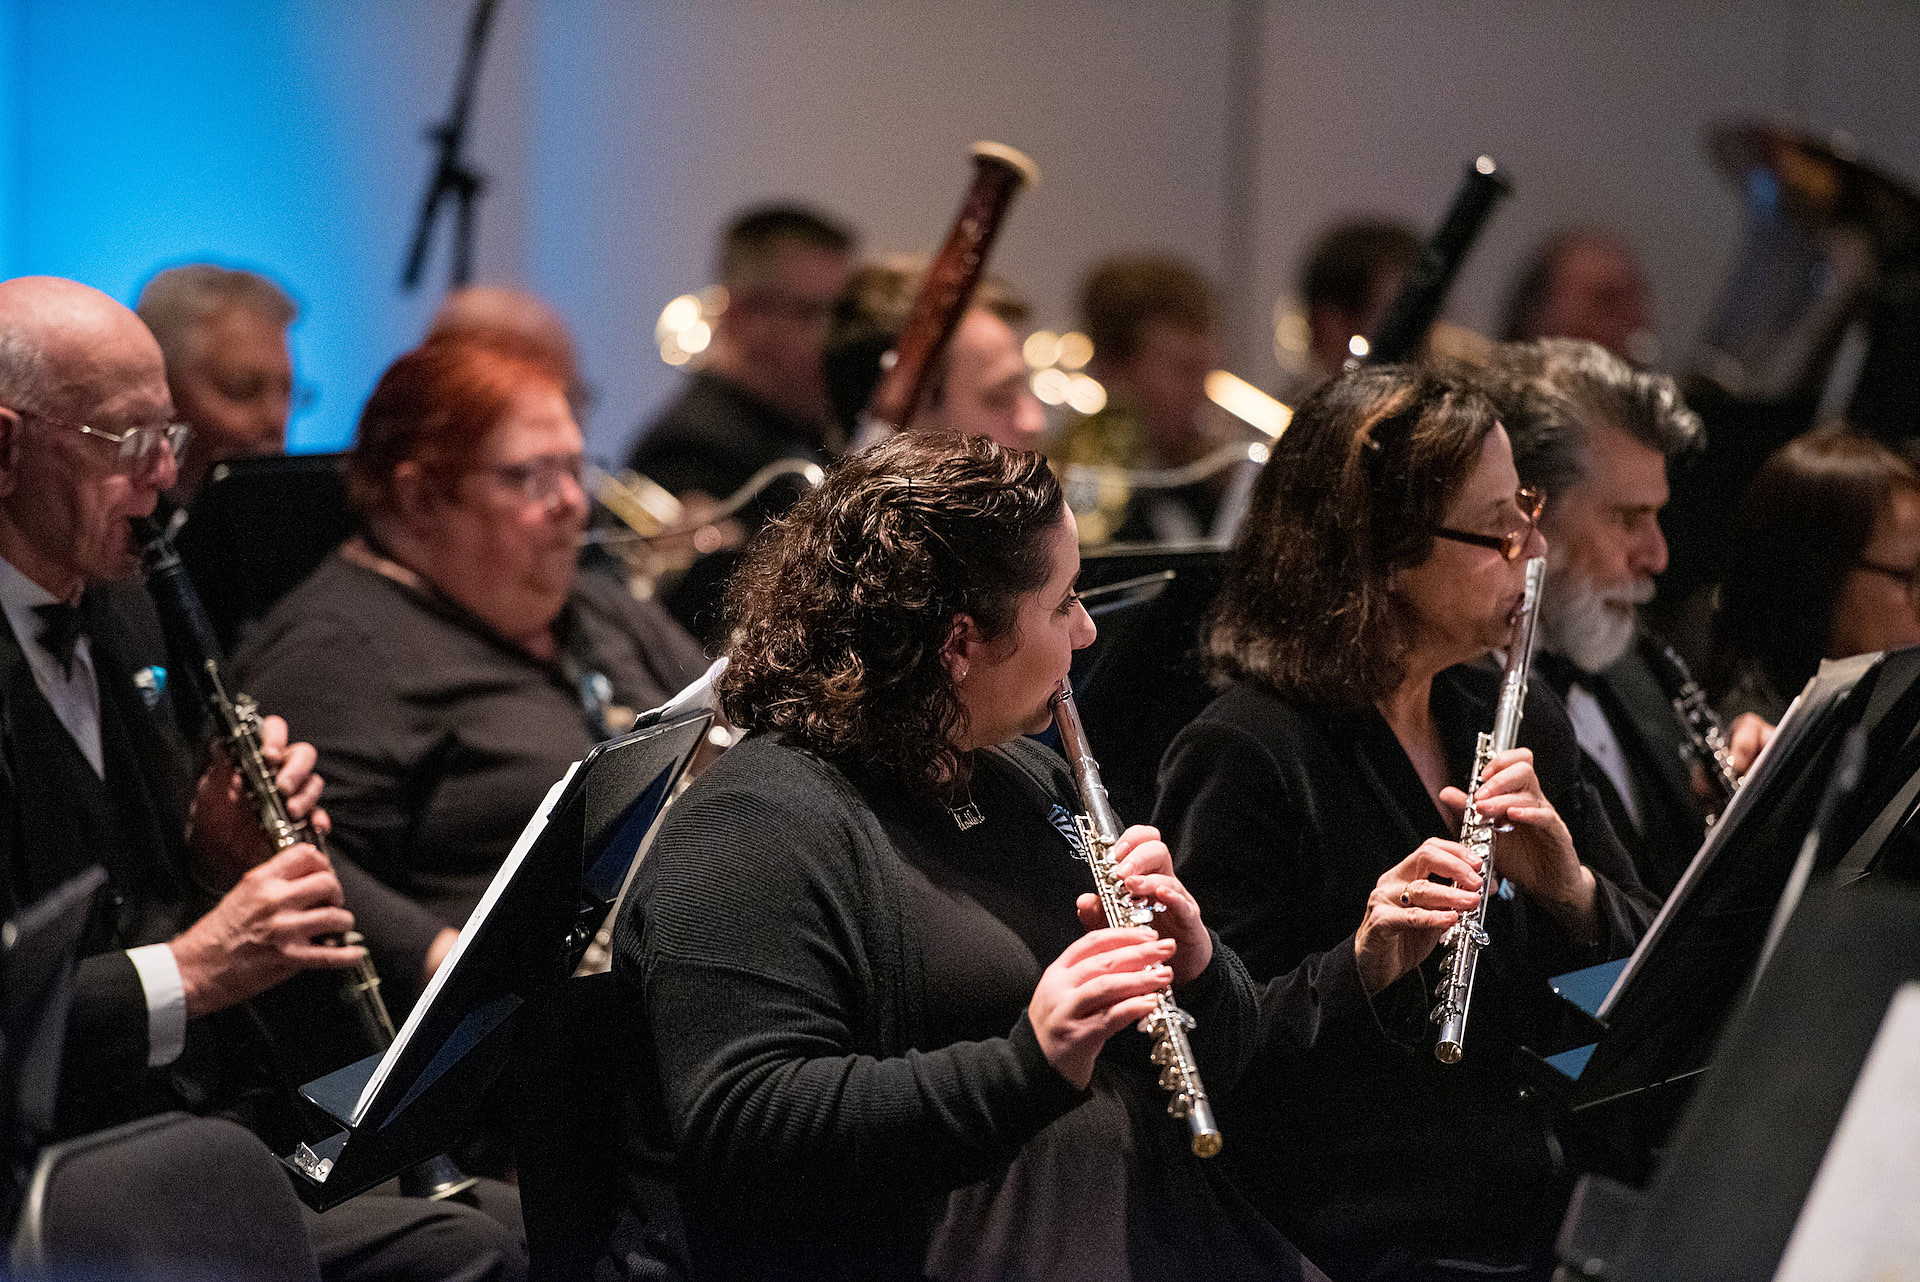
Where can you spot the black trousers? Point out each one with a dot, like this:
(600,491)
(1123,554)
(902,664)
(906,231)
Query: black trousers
(383,1237)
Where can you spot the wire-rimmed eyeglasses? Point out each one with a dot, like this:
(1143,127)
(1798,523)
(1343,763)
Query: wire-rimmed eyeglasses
(135,449)
(1513,544)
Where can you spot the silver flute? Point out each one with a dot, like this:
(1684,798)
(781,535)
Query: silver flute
(1469,935)
(1099,828)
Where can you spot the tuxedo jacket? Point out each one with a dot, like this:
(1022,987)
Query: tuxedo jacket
(1672,816)
(57,817)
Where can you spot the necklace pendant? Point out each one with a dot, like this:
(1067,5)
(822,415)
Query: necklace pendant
(967,816)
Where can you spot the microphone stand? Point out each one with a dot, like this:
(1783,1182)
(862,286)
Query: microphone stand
(452,176)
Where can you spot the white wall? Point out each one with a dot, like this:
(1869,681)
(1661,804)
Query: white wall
(618,135)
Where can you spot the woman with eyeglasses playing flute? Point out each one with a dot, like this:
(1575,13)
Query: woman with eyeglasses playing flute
(881,1027)
(1314,811)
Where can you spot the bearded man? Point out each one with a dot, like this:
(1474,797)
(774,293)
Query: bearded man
(1594,434)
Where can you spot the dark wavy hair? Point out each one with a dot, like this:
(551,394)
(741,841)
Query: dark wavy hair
(1806,520)
(1353,492)
(839,612)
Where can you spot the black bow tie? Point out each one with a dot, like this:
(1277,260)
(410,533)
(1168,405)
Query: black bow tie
(61,627)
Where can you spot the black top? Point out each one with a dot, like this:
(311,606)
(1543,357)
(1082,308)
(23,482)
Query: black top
(1281,820)
(1672,819)
(438,738)
(835,978)
(714,436)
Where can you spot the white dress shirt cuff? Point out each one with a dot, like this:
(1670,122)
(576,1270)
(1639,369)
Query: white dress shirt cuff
(166,1002)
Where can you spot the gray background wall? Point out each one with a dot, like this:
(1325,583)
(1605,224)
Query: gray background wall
(619,134)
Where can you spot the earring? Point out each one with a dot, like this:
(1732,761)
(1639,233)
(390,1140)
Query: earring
(960,671)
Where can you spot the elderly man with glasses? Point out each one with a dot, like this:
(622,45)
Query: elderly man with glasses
(96,767)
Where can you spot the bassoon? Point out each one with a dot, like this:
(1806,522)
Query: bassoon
(999,172)
(1403,330)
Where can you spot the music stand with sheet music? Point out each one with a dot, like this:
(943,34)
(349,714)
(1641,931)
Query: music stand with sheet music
(1662,1010)
(1771,1125)
(526,937)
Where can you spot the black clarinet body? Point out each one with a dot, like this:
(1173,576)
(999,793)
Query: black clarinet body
(237,727)
(1707,752)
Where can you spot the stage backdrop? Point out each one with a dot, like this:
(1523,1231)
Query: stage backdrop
(617,135)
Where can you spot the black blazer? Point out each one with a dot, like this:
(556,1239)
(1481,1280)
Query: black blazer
(1673,818)
(1351,1135)
(57,817)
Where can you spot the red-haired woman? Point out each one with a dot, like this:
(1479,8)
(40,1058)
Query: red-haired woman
(450,662)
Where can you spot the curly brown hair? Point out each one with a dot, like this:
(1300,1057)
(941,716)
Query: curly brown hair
(1353,492)
(839,613)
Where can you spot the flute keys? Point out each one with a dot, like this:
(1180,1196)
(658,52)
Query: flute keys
(1180,1105)
(1162,1053)
(1172,1079)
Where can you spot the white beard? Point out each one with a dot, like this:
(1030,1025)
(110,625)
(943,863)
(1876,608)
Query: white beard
(1590,625)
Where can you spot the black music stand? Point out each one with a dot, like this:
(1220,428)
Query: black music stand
(1661,1012)
(524,939)
(258,528)
(1743,1160)
(37,956)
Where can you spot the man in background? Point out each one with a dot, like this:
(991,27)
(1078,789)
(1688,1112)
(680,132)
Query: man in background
(223,333)
(978,387)
(1348,278)
(500,309)
(1583,282)
(758,395)
(1594,435)
(1151,320)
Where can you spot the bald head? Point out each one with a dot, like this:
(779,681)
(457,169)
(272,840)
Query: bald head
(71,357)
(495,309)
(70,351)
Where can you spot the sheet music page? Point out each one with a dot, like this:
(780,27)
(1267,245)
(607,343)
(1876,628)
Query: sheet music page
(515,857)
(1859,1222)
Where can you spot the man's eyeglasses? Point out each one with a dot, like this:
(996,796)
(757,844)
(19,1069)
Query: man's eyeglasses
(135,449)
(1513,544)
(538,480)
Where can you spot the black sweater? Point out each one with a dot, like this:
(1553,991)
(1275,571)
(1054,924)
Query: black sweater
(438,737)
(833,979)
(1281,820)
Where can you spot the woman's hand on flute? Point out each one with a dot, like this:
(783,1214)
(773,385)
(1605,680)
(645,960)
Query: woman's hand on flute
(1145,868)
(1410,908)
(1104,981)
(1537,852)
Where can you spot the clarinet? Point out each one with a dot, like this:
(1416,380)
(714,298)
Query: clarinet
(237,724)
(946,289)
(1468,936)
(1099,828)
(1706,742)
